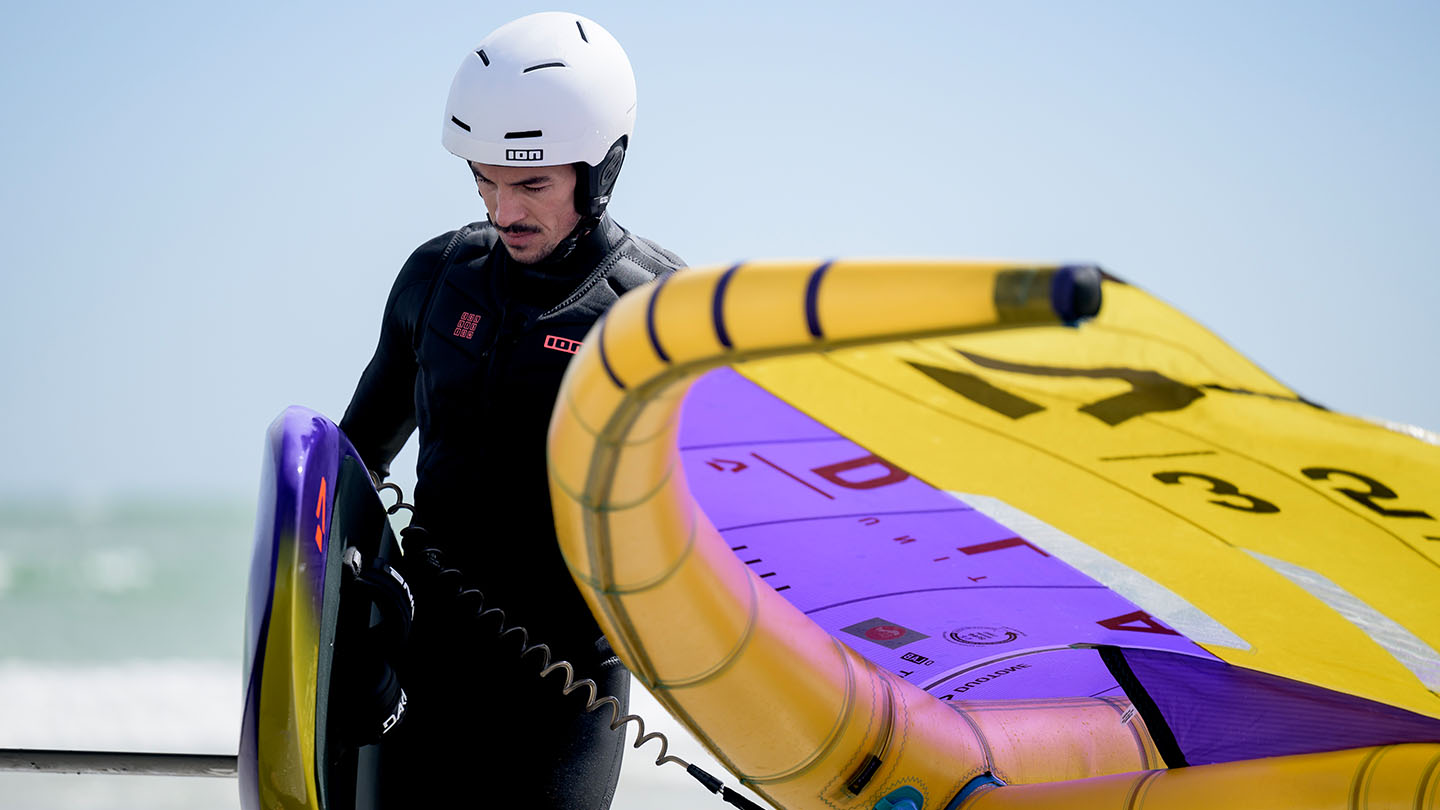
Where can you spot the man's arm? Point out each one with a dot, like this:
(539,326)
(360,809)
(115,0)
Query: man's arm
(381,415)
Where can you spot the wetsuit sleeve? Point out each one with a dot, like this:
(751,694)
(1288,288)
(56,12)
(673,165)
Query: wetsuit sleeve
(381,415)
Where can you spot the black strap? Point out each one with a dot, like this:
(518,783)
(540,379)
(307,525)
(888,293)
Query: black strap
(374,700)
(387,589)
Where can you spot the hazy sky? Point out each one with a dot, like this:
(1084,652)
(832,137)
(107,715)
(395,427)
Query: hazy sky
(204,204)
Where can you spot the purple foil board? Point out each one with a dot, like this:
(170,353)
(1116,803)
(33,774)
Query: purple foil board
(905,574)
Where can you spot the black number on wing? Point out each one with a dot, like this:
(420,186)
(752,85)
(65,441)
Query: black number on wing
(1225,489)
(1367,498)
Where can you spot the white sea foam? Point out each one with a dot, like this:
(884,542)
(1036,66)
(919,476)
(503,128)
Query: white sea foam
(118,570)
(180,705)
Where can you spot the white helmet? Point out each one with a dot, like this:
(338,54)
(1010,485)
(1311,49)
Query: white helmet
(546,90)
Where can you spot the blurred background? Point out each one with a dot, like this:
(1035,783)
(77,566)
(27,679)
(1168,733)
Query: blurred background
(204,205)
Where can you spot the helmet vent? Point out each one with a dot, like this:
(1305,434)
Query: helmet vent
(483,57)
(582,31)
(529,133)
(544,65)
(457,122)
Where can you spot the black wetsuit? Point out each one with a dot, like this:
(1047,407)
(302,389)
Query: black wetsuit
(472,349)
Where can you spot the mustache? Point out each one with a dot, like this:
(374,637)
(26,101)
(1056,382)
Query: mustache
(517,228)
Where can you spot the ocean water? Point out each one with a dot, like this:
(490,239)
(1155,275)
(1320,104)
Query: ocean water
(121,627)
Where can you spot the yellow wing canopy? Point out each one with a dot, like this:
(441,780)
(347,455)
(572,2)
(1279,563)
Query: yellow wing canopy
(931,538)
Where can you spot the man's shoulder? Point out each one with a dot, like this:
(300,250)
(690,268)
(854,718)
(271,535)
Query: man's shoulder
(417,277)
(475,240)
(651,253)
(646,256)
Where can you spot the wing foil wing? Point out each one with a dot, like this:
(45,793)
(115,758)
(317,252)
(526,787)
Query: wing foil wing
(1104,549)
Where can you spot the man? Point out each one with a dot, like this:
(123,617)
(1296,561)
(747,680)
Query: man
(476,334)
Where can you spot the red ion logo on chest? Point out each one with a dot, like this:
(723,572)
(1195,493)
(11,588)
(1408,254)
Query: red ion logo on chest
(560,344)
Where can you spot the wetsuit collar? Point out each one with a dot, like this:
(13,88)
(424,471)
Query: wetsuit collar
(551,279)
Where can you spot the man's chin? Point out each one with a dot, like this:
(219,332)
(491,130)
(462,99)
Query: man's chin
(527,259)
(533,253)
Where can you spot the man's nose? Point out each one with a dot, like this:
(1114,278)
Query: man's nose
(508,208)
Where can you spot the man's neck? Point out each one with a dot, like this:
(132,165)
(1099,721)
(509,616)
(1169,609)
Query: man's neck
(549,280)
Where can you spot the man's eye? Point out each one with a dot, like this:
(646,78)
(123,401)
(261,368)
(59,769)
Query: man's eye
(535,188)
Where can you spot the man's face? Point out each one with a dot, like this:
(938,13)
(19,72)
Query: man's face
(532,206)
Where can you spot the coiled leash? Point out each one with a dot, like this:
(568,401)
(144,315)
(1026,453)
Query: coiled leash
(375,691)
